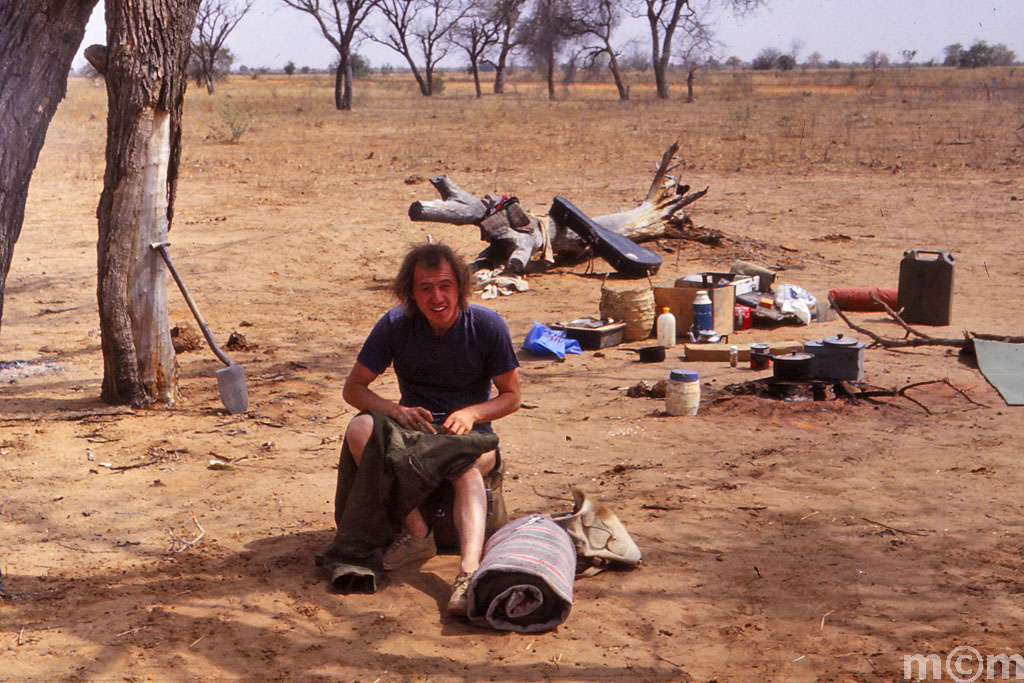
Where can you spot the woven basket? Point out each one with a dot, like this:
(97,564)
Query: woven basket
(631,305)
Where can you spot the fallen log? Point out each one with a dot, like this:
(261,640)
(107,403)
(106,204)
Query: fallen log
(513,248)
(914,337)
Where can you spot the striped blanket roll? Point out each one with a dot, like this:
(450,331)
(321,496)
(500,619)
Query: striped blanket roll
(524,582)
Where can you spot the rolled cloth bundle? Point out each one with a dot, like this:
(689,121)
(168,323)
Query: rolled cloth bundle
(859,298)
(524,582)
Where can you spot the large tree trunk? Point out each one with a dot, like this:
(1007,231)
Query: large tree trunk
(499,79)
(423,84)
(661,79)
(343,83)
(347,82)
(210,87)
(148,48)
(475,66)
(662,206)
(343,77)
(620,85)
(38,40)
(549,63)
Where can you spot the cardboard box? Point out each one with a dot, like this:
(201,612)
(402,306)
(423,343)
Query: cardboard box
(679,300)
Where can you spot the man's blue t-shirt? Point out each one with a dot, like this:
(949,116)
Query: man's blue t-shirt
(446,373)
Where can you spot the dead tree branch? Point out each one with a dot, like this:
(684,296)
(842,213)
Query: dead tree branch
(920,340)
(513,248)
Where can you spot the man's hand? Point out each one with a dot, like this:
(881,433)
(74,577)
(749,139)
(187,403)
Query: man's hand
(358,394)
(414,418)
(460,422)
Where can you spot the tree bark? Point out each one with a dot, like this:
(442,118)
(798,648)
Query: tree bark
(37,43)
(147,55)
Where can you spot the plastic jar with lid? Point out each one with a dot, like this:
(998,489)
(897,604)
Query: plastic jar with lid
(682,397)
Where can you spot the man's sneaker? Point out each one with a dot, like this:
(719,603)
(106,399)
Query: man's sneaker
(408,548)
(458,604)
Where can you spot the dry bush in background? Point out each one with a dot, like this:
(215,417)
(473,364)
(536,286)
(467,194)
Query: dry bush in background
(894,120)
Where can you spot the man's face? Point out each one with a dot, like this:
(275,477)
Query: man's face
(436,294)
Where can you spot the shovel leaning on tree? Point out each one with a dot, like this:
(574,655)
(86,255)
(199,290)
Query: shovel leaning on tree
(231,379)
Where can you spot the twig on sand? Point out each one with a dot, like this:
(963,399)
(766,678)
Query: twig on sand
(81,550)
(147,463)
(821,627)
(657,506)
(185,545)
(544,495)
(903,393)
(668,661)
(892,528)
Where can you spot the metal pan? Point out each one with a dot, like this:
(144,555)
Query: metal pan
(650,354)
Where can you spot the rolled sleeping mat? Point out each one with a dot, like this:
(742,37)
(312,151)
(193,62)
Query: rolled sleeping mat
(765,276)
(524,583)
(859,298)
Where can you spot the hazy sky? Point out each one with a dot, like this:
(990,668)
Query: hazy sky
(271,34)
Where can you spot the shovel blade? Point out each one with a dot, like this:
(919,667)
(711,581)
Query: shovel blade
(233,392)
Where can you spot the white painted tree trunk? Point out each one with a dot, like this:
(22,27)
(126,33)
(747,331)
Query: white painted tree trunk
(147,274)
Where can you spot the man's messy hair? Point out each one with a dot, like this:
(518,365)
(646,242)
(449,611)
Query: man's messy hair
(430,257)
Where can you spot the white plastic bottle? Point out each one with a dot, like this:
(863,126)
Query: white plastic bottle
(666,328)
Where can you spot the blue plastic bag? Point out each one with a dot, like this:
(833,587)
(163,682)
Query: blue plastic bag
(542,341)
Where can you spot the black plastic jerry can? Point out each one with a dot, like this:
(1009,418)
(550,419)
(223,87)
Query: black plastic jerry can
(926,287)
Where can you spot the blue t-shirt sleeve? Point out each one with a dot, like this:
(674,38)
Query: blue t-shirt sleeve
(378,350)
(502,354)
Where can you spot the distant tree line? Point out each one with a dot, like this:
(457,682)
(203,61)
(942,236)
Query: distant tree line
(978,55)
(550,35)
(489,34)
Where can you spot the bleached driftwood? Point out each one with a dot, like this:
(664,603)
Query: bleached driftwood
(514,248)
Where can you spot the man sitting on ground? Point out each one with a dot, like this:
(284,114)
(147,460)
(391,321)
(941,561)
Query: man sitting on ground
(446,353)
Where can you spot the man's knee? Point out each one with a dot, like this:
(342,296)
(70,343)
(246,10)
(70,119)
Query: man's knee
(357,434)
(481,467)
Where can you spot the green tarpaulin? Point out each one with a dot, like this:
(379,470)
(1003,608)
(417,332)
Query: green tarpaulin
(1003,366)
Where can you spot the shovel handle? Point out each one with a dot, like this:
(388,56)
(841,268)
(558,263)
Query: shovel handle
(161,247)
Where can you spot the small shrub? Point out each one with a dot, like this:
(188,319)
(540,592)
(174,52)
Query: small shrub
(437,83)
(234,123)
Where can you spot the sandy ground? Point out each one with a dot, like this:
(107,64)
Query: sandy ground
(786,541)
